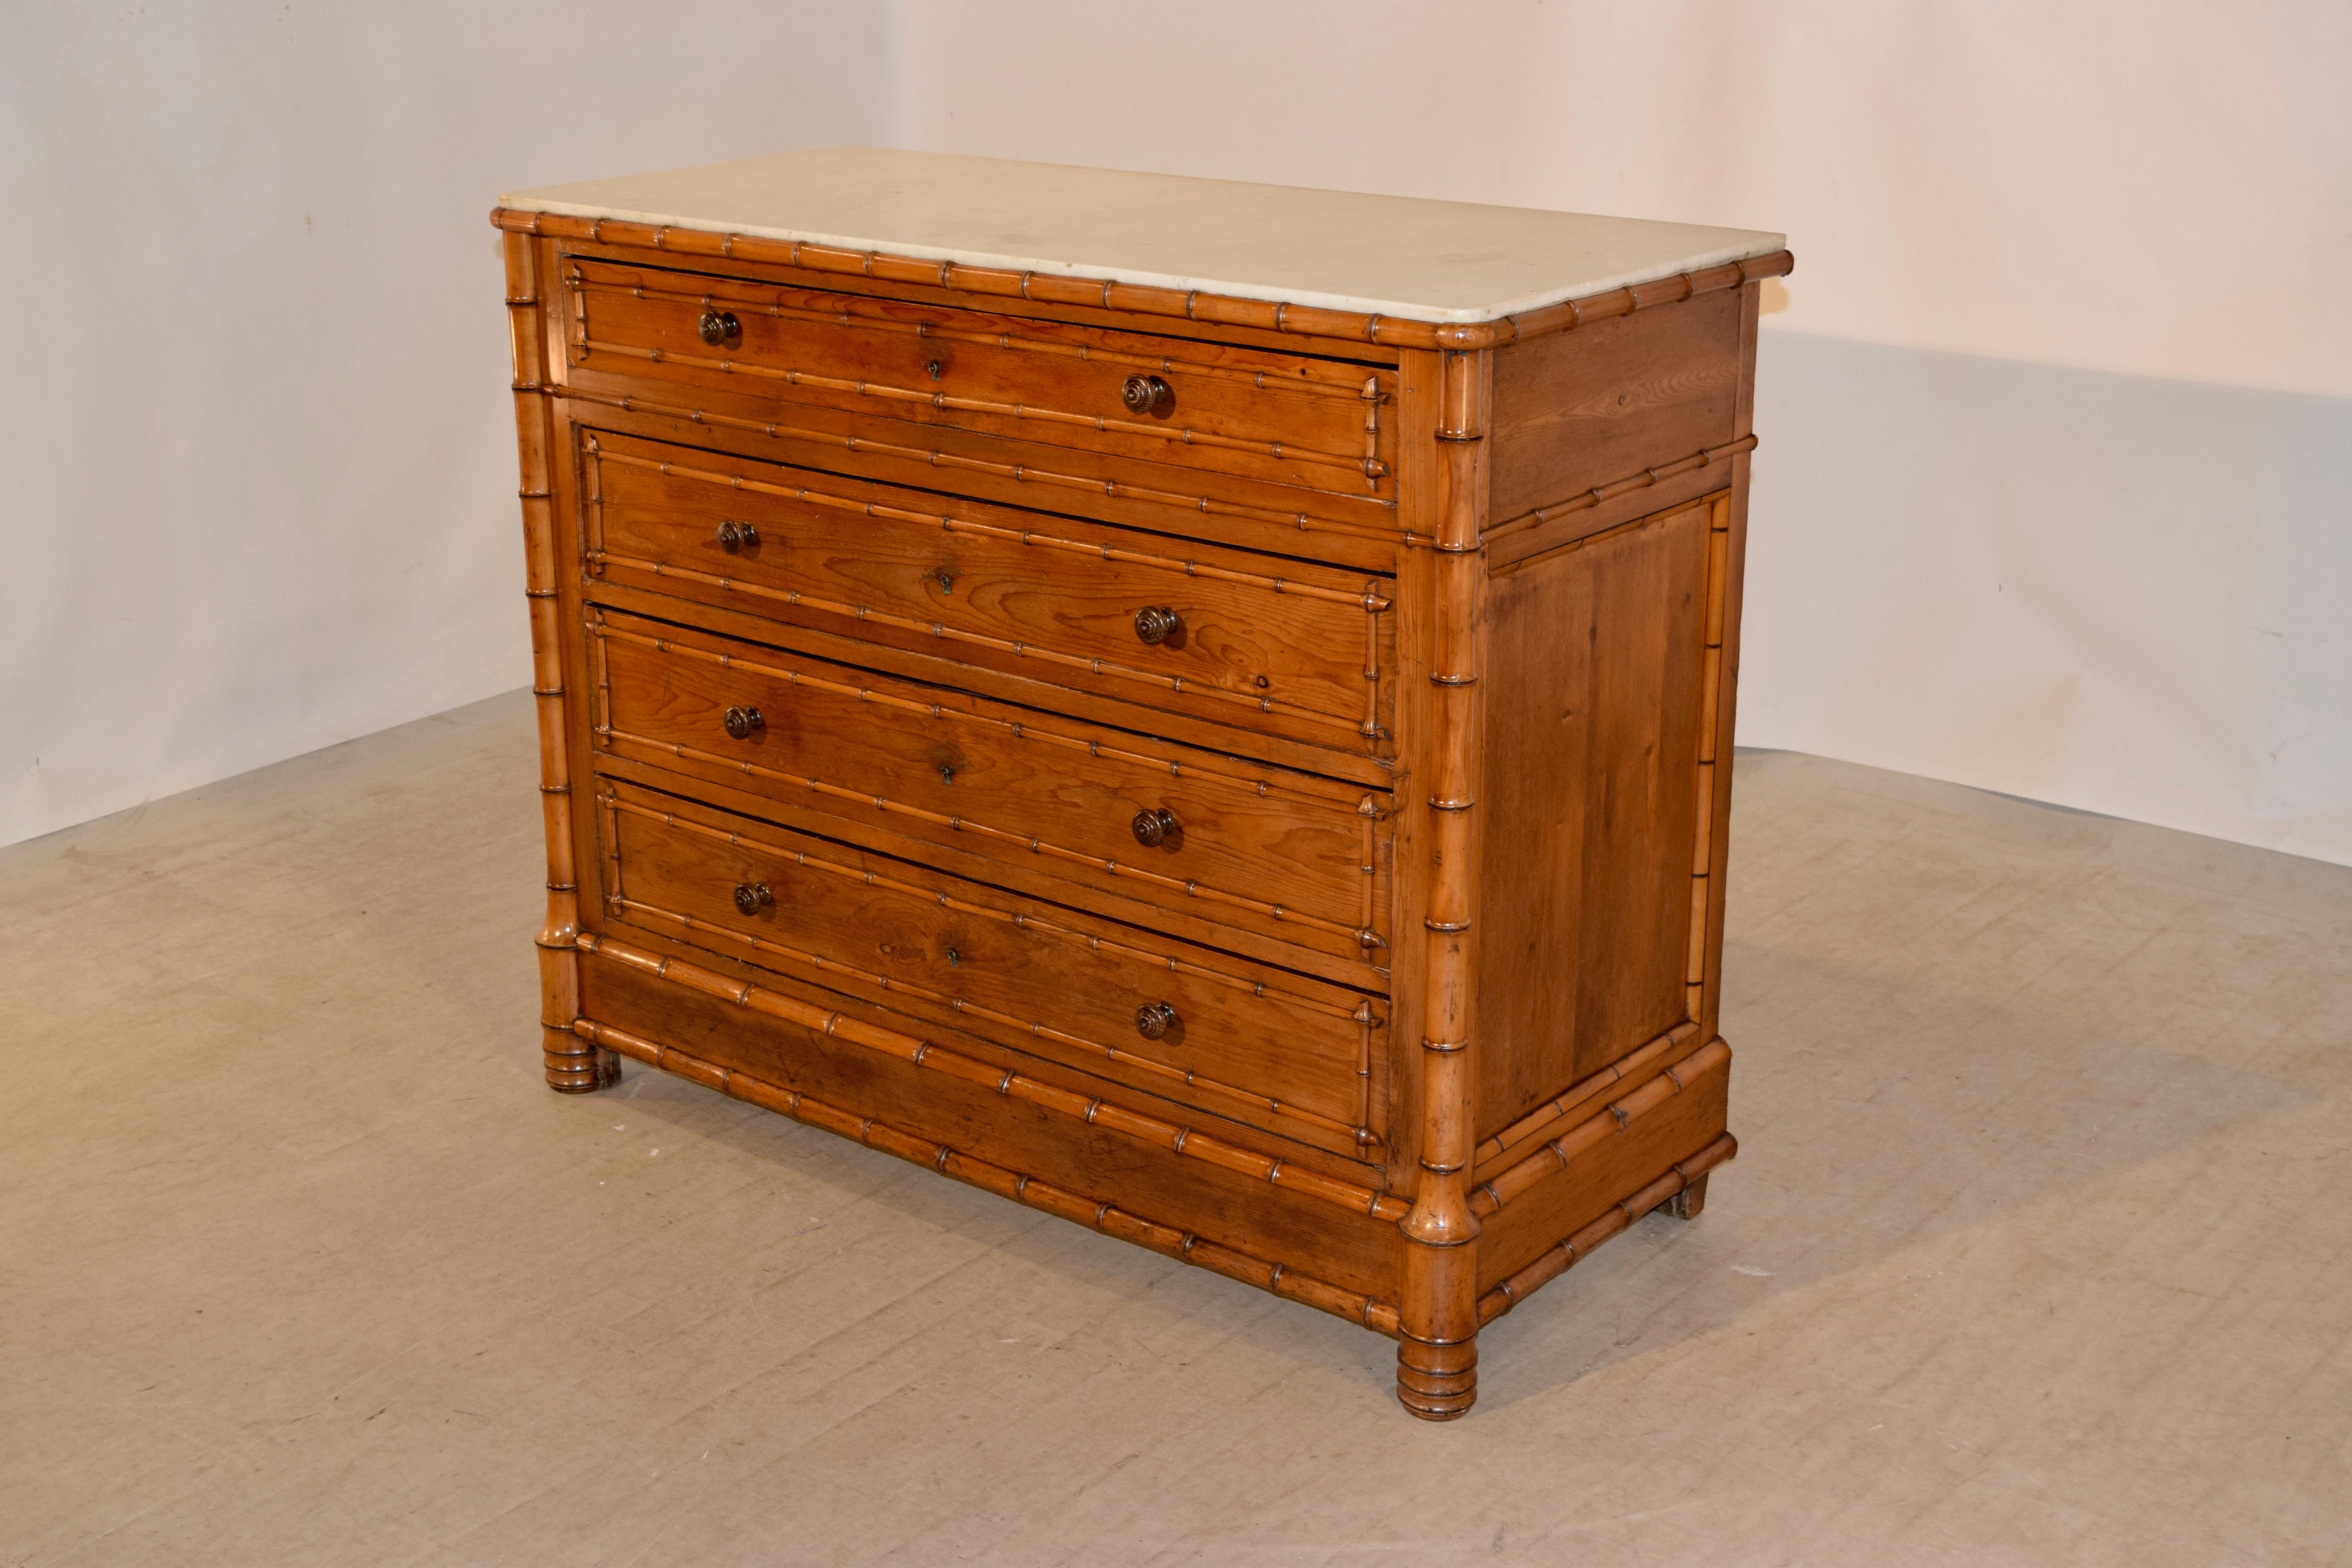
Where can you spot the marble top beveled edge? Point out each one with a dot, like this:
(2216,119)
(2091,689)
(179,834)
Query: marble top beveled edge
(1443,262)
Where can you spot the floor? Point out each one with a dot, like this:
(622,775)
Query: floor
(2039,1249)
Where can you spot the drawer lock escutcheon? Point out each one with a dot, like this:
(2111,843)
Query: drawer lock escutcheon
(743,723)
(1154,825)
(1155,623)
(1154,1019)
(751,898)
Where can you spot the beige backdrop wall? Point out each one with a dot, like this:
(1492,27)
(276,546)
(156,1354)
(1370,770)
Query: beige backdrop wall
(255,426)
(2053,498)
(2055,489)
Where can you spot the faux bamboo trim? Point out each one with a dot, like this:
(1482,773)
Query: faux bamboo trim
(601,559)
(1326,1128)
(1103,294)
(1600,494)
(1570,1250)
(1569,314)
(1368,599)
(1371,468)
(1255,988)
(1718,588)
(1561,1153)
(1185,1246)
(568,1066)
(1312,378)
(1364,935)
(1360,1134)
(1021,473)
(1522,1137)
(1437,1297)
(1149,1131)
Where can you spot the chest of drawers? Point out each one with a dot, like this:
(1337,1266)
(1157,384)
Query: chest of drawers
(1202,709)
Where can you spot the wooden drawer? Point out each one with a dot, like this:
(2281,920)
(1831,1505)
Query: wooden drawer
(1291,419)
(1260,1046)
(1289,856)
(1279,646)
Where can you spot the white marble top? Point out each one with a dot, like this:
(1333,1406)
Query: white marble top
(1390,256)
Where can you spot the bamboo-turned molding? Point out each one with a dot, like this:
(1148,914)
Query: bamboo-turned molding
(1202,709)
(572,1065)
(1107,294)
(1279,1277)
(1094,1213)
(1091,1110)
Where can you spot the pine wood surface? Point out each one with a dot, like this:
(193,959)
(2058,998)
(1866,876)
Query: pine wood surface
(1295,856)
(1435,916)
(1290,419)
(1296,648)
(1166,497)
(1287,1054)
(1573,410)
(1593,810)
(864,1058)
(743,265)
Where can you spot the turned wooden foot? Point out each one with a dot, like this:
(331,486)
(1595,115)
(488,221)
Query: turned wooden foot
(1437,1382)
(575,1066)
(1686,1203)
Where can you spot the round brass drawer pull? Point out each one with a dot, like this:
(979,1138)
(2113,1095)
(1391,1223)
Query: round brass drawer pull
(1154,1019)
(741,721)
(751,898)
(735,537)
(1152,825)
(1145,394)
(718,327)
(1156,624)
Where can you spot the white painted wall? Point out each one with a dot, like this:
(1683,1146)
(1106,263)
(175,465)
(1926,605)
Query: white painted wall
(254,423)
(2053,498)
(2055,489)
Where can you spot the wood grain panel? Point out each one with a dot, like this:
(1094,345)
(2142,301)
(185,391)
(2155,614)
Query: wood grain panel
(1287,855)
(1274,1050)
(1353,1251)
(1594,679)
(1289,419)
(1625,1157)
(1260,642)
(1578,409)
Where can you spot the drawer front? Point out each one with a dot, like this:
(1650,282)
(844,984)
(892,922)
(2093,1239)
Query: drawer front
(1259,1046)
(1286,854)
(1291,419)
(1282,646)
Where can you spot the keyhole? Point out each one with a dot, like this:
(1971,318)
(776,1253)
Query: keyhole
(947,774)
(934,368)
(955,958)
(947,582)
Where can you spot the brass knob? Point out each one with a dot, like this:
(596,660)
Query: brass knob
(1156,624)
(741,721)
(751,898)
(1154,1019)
(735,536)
(1145,394)
(719,328)
(1152,825)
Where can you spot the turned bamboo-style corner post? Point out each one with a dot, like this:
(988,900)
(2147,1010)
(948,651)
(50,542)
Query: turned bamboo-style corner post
(573,1065)
(1437,1349)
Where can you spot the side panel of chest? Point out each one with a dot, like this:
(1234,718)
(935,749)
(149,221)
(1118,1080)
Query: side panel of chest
(1597,672)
